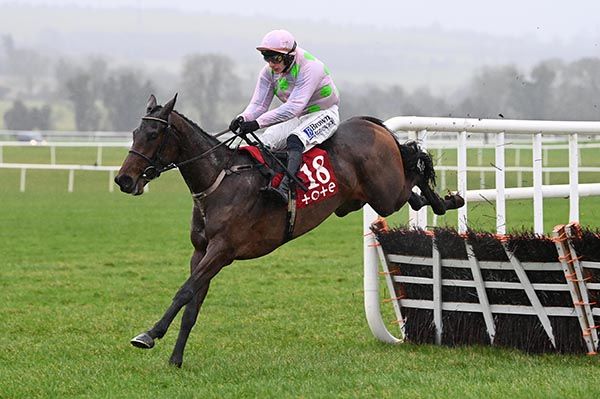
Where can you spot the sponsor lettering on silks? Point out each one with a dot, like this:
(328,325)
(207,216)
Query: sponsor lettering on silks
(318,127)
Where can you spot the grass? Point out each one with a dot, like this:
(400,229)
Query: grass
(84,272)
(81,273)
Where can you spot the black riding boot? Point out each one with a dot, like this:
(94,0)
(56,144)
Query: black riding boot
(294,153)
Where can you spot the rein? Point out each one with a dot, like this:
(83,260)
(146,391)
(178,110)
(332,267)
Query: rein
(155,169)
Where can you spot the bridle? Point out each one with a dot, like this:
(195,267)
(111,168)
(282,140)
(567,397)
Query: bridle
(156,166)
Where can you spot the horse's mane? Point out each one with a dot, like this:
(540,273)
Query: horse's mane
(191,122)
(195,127)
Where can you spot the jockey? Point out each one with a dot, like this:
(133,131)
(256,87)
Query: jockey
(309,113)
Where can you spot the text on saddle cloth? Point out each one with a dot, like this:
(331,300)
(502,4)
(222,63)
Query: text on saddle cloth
(316,172)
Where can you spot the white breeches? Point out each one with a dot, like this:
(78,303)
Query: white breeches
(311,129)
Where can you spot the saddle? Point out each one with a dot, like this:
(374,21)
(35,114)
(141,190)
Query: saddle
(265,163)
(263,157)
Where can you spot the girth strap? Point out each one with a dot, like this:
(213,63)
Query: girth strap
(290,220)
(212,187)
(219,179)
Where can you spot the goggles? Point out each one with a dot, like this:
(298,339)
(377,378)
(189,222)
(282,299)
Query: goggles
(271,56)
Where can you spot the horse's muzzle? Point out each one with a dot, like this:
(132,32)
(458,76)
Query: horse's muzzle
(125,183)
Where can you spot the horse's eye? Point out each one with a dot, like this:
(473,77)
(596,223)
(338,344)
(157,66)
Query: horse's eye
(153,135)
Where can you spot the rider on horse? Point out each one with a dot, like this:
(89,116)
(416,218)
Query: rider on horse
(309,113)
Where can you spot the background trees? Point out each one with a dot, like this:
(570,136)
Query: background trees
(102,96)
(20,117)
(26,65)
(210,82)
(80,91)
(124,95)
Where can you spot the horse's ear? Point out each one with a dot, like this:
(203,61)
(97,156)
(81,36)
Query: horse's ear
(151,104)
(166,111)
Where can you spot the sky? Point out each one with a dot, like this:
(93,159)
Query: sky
(545,20)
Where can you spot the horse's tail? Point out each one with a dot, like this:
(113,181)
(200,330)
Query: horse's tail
(417,162)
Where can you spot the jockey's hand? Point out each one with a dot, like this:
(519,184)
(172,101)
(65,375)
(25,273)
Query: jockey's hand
(248,127)
(235,123)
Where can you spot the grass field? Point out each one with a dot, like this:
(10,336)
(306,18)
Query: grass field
(83,272)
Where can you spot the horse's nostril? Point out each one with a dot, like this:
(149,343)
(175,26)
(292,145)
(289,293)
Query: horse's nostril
(125,183)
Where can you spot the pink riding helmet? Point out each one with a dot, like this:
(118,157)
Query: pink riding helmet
(278,40)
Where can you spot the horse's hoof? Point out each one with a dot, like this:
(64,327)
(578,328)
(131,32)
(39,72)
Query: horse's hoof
(456,200)
(175,362)
(460,201)
(143,341)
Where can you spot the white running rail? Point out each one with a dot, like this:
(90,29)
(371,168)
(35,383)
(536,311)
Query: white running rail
(24,167)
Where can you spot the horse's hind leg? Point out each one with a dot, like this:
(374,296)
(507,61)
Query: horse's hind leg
(417,201)
(439,205)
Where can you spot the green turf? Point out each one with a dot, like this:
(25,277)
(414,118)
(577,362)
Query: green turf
(83,272)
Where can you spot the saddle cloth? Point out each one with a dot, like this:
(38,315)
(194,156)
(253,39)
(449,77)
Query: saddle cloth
(315,172)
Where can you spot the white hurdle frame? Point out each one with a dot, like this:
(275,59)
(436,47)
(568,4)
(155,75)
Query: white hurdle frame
(418,127)
(501,127)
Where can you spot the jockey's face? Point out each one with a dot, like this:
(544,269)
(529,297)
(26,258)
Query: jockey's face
(277,67)
(275,60)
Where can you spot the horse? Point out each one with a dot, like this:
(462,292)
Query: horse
(233,220)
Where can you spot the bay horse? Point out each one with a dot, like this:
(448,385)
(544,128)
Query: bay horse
(232,219)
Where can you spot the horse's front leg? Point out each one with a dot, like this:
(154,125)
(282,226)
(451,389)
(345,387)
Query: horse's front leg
(217,257)
(190,314)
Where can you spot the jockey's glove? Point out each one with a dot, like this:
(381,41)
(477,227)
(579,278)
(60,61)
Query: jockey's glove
(248,127)
(235,123)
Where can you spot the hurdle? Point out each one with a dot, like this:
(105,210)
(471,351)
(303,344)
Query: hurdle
(581,281)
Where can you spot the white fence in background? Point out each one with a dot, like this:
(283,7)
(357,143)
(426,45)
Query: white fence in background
(437,147)
(52,146)
(437,140)
(52,165)
(43,136)
(422,127)
(24,167)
